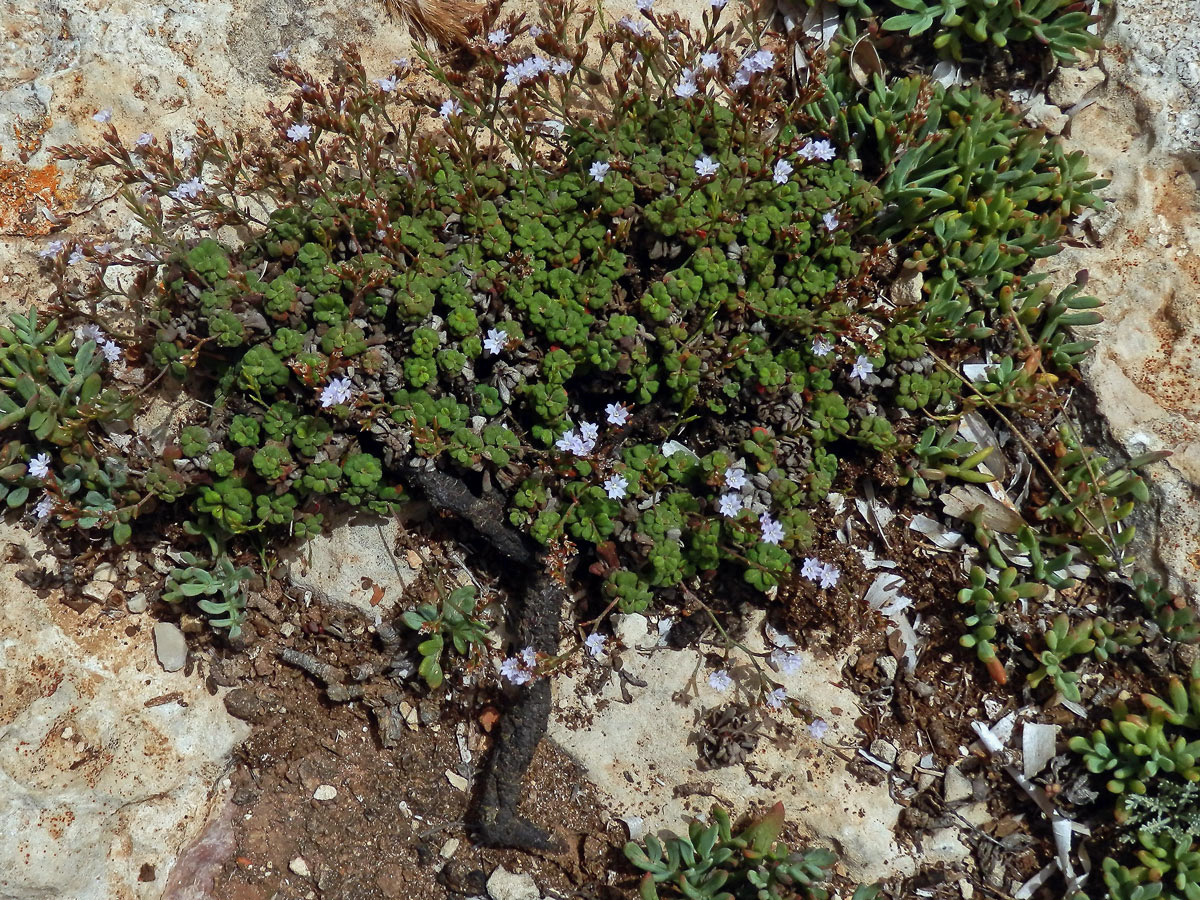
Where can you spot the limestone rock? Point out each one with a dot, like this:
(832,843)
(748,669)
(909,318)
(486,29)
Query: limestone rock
(656,755)
(95,783)
(354,566)
(1046,116)
(1144,133)
(1154,52)
(1072,85)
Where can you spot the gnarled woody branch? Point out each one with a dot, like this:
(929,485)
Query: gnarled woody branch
(539,610)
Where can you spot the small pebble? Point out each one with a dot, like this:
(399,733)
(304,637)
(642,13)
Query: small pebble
(449,848)
(456,780)
(957,786)
(137,603)
(631,629)
(170,645)
(325,792)
(884,750)
(506,885)
(300,867)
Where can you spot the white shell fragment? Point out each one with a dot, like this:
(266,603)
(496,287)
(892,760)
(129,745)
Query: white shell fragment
(940,536)
(1037,746)
(962,501)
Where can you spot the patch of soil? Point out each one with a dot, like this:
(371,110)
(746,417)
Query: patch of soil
(395,828)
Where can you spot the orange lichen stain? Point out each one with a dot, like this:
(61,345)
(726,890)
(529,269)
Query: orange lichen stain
(23,190)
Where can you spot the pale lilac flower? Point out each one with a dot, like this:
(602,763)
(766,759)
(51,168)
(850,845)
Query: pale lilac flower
(741,78)
(821,347)
(499,37)
(822,150)
(44,507)
(589,431)
(337,391)
(645,6)
(562,66)
(598,170)
(718,4)
(526,70)
(282,55)
(730,504)
(720,681)
(401,62)
(103,116)
(783,170)
(76,256)
(706,166)
(111,351)
(89,332)
(634,26)
(39,466)
(495,341)
(710,60)
(685,89)
(595,644)
(300,131)
(772,531)
(570,443)
(812,569)
(529,658)
(387,85)
(579,444)
(51,249)
(761,61)
(830,574)
(512,669)
(786,661)
(145,139)
(450,109)
(616,414)
(735,478)
(535,31)
(776,698)
(862,368)
(819,728)
(615,487)
(830,220)
(189,190)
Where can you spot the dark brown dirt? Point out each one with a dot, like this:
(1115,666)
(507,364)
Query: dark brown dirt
(395,813)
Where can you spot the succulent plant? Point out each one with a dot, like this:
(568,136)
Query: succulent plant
(218,590)
(1063,642)
(452,619)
